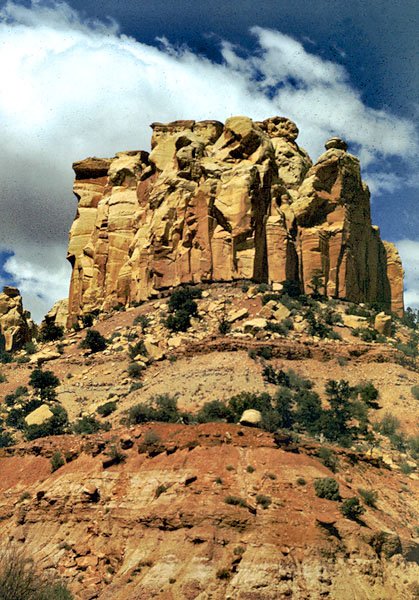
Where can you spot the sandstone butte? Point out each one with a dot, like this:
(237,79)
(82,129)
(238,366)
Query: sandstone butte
(214,202)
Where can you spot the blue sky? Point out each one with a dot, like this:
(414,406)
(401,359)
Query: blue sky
(87,78)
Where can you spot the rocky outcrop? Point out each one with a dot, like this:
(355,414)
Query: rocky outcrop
(58,315)
(215,202)
(16,325)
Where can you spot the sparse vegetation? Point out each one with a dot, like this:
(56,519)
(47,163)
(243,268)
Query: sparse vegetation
(369,497)
(57,461)
(104,410)
(162,408)
(235,501)
(49,332)
(56,425)
(21,580)
(263,501)
(327,487)
(415,392)
(135,370)
(94,341)
(182,307)
(352,509)
(328,458)
(87,425)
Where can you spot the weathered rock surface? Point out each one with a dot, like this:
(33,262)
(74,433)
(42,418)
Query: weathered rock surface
(16,325)
(223,202)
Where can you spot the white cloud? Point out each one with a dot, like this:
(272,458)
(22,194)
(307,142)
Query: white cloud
(71,89)
(409,253)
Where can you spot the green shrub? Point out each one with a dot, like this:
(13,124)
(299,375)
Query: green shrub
(116,455)
(282,328)
(301,481)
(57,461)
(160,408)
(369,497)
(214,411)
(368,393)
(182,307)
(20,580)
(3,378)
(327,487)
(250,469)
(235,501)
(135,370)
(245,400)
(136,349)
(44,382)
(352,509)
(263,501)
(5,357)
(405,468)
(415,392)
(56,425)
(6,439)
(223,573)
(104,410)
(94,341)
(143,321)
(86,425)
(328,458)
(30,347)
(388,425)
(224,326)
(49,332)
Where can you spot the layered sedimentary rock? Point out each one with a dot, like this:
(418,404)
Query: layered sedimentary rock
(215,202)
(16,326)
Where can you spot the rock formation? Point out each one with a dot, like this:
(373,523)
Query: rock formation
(215,202)
(16,326)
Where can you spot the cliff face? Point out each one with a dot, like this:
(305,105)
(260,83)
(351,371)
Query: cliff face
(222,202)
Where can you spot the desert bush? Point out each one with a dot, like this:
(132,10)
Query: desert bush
(327,487)
(368,393)
(405,468)
(214,411)
(369,497)
(6,439)
(263,501)
(57,461)
(5,357)
(30,347)
(143,321)
(182,307)
(11,399)
(135,370)
(49,332)
(328,458)
(308,411)
(415,392)
(56,425)
(224,326)
(104,410)
(3,378)
(86,425)
(282,327)
(136,349)
(245,400)
(235,501)
(20,580)
(94,341)
(388,425)
(159,408)
(44,382)
(352,509)
(116,455)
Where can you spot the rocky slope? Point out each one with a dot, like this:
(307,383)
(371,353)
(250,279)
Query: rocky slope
(215,510)
(215,202)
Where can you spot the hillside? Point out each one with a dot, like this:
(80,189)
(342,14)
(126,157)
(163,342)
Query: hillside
(150,492)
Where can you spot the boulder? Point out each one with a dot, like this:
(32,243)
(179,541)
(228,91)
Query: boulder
(355,322)
(382,324)
(236,315)
(16,325)
(254,324)
(39,415)
(251,417)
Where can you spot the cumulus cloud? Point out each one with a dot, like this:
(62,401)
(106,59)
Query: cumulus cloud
(409,253)
(72,88)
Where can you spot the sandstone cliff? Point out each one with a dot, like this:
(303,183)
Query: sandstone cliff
(16,326)
(215,202)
